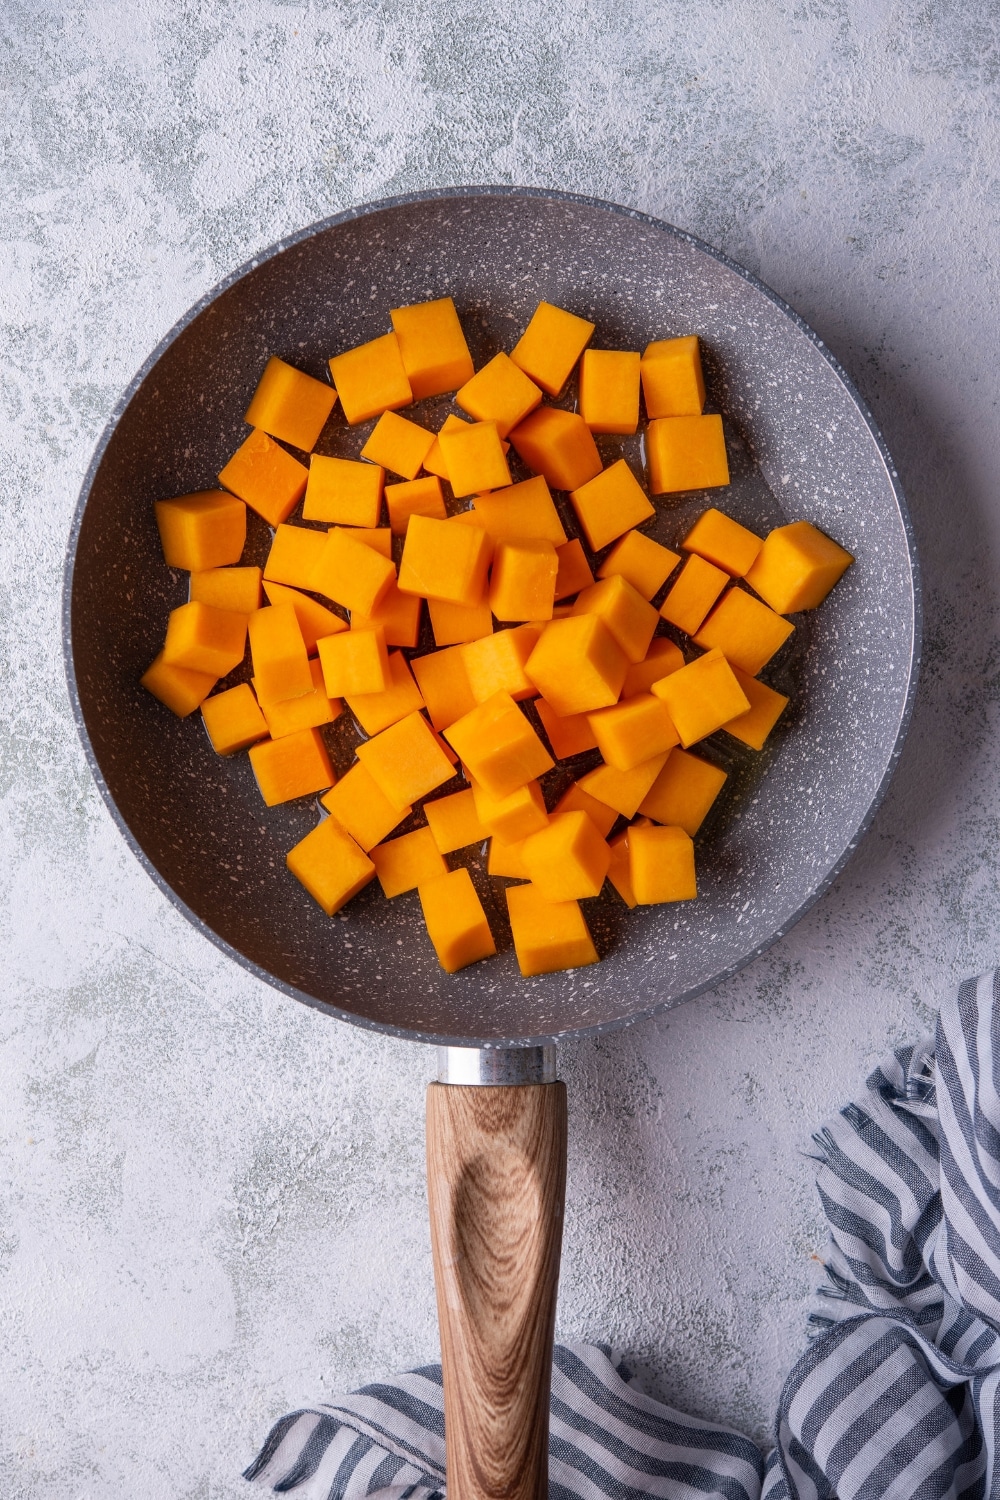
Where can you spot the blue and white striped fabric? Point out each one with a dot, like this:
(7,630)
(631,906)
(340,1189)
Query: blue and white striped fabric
(895,1399)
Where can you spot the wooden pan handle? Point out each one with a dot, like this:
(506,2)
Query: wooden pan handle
(496,1177)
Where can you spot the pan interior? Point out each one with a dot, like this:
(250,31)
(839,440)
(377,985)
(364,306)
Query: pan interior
(800,446)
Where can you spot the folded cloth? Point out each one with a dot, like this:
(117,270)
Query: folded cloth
(895,1399)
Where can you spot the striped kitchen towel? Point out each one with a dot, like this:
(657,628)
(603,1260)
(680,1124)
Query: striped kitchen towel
(898,1395)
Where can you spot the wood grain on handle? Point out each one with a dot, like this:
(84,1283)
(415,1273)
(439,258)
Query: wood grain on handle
(496,1178)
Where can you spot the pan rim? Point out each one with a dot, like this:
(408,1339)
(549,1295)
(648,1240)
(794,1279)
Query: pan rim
(363,211)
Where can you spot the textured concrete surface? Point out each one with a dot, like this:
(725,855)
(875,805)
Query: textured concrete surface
(213,1205)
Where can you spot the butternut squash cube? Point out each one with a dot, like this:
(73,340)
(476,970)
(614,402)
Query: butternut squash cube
(402,863)
(644,563)
(662,658)
(548,935)
(505,859)
(455,921)
(308,711)
(698,585)
(205,530)
(523,582)
(330,865)
(672,379)
(474,458)
(236,589)
(417,497)
(280,660)
(266,476)
(722,541)
(610,504)
(577,665)
(441,561)
(496,663)
(315,620)
(398,614)
(574,570)
(406,760)
(201,638)
(796,567)
(684,791)
(352,573)
(568,736)
(432,347)
(434,462)
(558,445)
(344,491)
(454,624)
(290,405)
(630,618)
(371,379)
(620,869)
(551,345)
(576,798)
(766,708)
(746,631)
(297,765)
(454,821)
(661,864)
(362,809)
(398,444)
(294,556)
(622,790)
(444,684)
(499,393)
(376,711)
(609,390)
(524,510)
(686,453)
(701,697)
(633,731)
(356,664)
(498,745)
(568,860)
(513,817)
(177,688)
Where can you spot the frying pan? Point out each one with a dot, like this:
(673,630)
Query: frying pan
(801,444)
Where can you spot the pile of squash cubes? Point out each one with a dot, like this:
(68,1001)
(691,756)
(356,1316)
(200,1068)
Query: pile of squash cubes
(576,634)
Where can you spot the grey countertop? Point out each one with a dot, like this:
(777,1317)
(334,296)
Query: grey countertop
(213,1201)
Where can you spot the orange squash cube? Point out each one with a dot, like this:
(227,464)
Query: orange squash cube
(746,631)
(344,491)
(574,570)
(577,799)
(362,809)
(330,865)
(686,453)
(474,457)
(610,504)
(672,379)
(266,476)
(698,585)
(441,561)
(297,765)
(558,445)
(661,864)
(609,390)
(203,639)
(496,663)
(402,863)
(376,711)
(633,731)
(417,497)
(498,745)
(444,684)
(524,510)
(548,935)
(567,736)
(308,711)
(455,921)
(513,817)
(701,697)
(432,347)
(577,665)
(399,616)
(398,444)
(684,791)
(454,821)
(406,760)
(796,567)
(499,393)
(353,574)
(722,541)
(236,589)
(523,582)
(620,869)
(371,379)
(290,405)
(630,618)
(505,860)
(177,688)
(434,462)
(454,624)
(315,620)
(662,658)
(622,790)
(568,860)
(201,531)
(766,708)
(280,660)
(355,663)
(294,556)
(551,345)
(644,563)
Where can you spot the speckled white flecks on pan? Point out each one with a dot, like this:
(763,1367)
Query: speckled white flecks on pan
(213,1198)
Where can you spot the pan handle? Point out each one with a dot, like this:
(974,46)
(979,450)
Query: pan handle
(496,1179)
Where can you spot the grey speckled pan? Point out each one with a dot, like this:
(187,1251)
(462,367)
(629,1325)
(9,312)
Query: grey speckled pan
(801,443)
